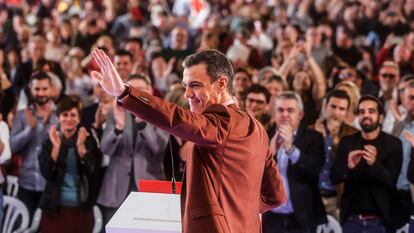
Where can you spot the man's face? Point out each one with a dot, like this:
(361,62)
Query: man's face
(256,104)
(336,109)
(123,65)
(388,78)
(342,39)
(134,48)
(401,54)
(199,91)
(288,113)
(275,88)
(313,36)
(302,82)
(158,66)
(241,82)
(179,38)
(368,116)
(408,100)
(41,91)
(37,49)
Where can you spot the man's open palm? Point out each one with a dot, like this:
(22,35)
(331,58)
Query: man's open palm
(109,78)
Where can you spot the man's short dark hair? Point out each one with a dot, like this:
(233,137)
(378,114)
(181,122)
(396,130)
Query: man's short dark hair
(123,52)
(243,70)
(259,89)
(279,79)
(216,63)
(134,40)
(156,55)
(69,102)
(380,106)
(340,94)
(40,75)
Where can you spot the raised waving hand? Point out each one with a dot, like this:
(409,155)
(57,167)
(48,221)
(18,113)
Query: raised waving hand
(109,78)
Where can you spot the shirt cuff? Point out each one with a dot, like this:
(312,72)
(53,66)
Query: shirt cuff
(295,155)
(118,131)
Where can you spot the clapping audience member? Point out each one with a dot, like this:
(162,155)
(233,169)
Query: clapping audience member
(369,163)
(70,162)
(30,129)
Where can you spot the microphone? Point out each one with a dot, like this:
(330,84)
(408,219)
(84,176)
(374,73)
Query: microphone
(173,180)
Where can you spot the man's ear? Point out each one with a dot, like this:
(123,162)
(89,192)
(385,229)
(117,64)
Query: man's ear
(301,114)
(381,119)
(222,83)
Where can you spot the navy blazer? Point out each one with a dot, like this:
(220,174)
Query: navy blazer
(303,178)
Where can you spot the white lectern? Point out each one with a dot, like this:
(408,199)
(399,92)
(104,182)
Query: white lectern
(147,213)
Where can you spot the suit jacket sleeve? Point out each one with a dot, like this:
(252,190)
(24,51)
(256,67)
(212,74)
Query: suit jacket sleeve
(21,133)
(339,169)
(410,171)
(388,172)
(157,140)
(19,77)
(110,141)
(208,129)
(272,193)
(311,158)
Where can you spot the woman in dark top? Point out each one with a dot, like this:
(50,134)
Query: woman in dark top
(70,162)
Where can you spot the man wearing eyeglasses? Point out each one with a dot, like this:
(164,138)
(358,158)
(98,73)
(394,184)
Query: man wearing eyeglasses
(257,104)
(389,76)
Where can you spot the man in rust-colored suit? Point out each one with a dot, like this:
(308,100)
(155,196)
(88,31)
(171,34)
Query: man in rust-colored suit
(230,175)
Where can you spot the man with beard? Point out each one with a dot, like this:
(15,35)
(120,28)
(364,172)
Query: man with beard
(241,82)
(368,162)
(333,129)
(30,129)
(37,49)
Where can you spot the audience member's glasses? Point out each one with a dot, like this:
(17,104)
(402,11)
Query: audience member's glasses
(388,75)
(251,100)
(345,75)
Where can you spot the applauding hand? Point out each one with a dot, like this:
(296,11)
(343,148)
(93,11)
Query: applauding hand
(354,158)
(80,142)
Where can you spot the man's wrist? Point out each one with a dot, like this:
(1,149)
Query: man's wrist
(289,150)
(118,131)
(125,92)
